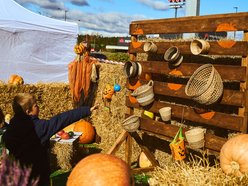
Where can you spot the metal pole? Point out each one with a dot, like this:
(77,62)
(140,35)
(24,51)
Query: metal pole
(65,14)
(175,12)
(236,9)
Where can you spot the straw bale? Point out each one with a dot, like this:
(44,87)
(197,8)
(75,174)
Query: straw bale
(108,123)
(52,98)
(63,153)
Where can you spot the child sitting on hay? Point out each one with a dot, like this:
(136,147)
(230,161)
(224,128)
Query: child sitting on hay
(27,137)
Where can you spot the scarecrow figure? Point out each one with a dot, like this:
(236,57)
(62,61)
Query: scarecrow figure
(82,75)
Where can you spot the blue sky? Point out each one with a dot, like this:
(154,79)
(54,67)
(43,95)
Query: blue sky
(112,17)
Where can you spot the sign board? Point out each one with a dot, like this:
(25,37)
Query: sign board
(176,1)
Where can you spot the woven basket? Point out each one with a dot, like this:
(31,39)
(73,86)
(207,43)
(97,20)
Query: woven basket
(197,145)
(144,90)
(131,123)
(144,94)
(205,85)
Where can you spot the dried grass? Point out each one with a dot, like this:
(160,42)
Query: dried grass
(196,172)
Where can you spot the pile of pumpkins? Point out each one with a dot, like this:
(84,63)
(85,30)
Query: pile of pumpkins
(88,131)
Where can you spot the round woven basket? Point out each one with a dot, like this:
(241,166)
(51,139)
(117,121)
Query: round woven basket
(150,47)
(195,137)
(144,90)
(131,123)
(199,46)
(205,85)
(144,94)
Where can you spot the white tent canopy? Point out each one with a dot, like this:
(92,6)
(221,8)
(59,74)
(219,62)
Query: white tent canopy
(33,46)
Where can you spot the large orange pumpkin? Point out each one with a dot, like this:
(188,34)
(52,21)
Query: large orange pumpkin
(16,80)
(234,155)
(87,129)
(100,170)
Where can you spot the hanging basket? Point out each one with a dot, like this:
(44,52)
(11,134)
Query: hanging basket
(150,47)
(144,90)
(173,56)
(144,94)
(131,124)
(195,137)
(199,46)
(205,85)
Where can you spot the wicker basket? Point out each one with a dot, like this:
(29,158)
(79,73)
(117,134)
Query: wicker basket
(195,137)
(144,94)
(150,47)
(131,124)
(205,85)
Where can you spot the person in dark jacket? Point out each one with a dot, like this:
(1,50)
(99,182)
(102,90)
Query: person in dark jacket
(27,137)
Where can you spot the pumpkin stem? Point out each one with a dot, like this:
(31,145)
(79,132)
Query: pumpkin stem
(234,165)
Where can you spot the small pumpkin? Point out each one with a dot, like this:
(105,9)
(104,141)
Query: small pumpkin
(144,161)
(16,80)
(88,131)
(234,155)
(100,169)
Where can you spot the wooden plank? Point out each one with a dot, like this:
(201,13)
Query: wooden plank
(118,142)
(240,48)
(244,88)
(235,73)
(132,58)
(128,149)
(142,170)
(169,139)
(222,120)
(230,97)
(147,152)
(191,24)
(211,141)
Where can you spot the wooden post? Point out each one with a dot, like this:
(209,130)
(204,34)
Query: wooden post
(147,152)
(128,149)
(118,142)
(243,111)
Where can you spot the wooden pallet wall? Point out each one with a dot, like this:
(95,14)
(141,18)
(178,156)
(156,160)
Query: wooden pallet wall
(230,113)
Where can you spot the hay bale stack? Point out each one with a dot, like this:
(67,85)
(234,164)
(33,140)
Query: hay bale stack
(108,124)
(52,98)
(61,156)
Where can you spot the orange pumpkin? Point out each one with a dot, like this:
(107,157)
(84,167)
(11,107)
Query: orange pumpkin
(88,131)
(16,80)
(100,169)
(234,156)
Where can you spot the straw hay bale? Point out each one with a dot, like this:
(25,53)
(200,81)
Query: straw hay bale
(108,124)
(64,155)
(52,98)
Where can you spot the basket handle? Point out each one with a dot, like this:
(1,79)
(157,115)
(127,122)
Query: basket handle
(150,83)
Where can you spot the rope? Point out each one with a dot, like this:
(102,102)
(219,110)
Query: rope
(108,61)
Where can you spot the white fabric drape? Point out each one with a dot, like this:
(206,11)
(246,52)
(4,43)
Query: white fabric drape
(35,47)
